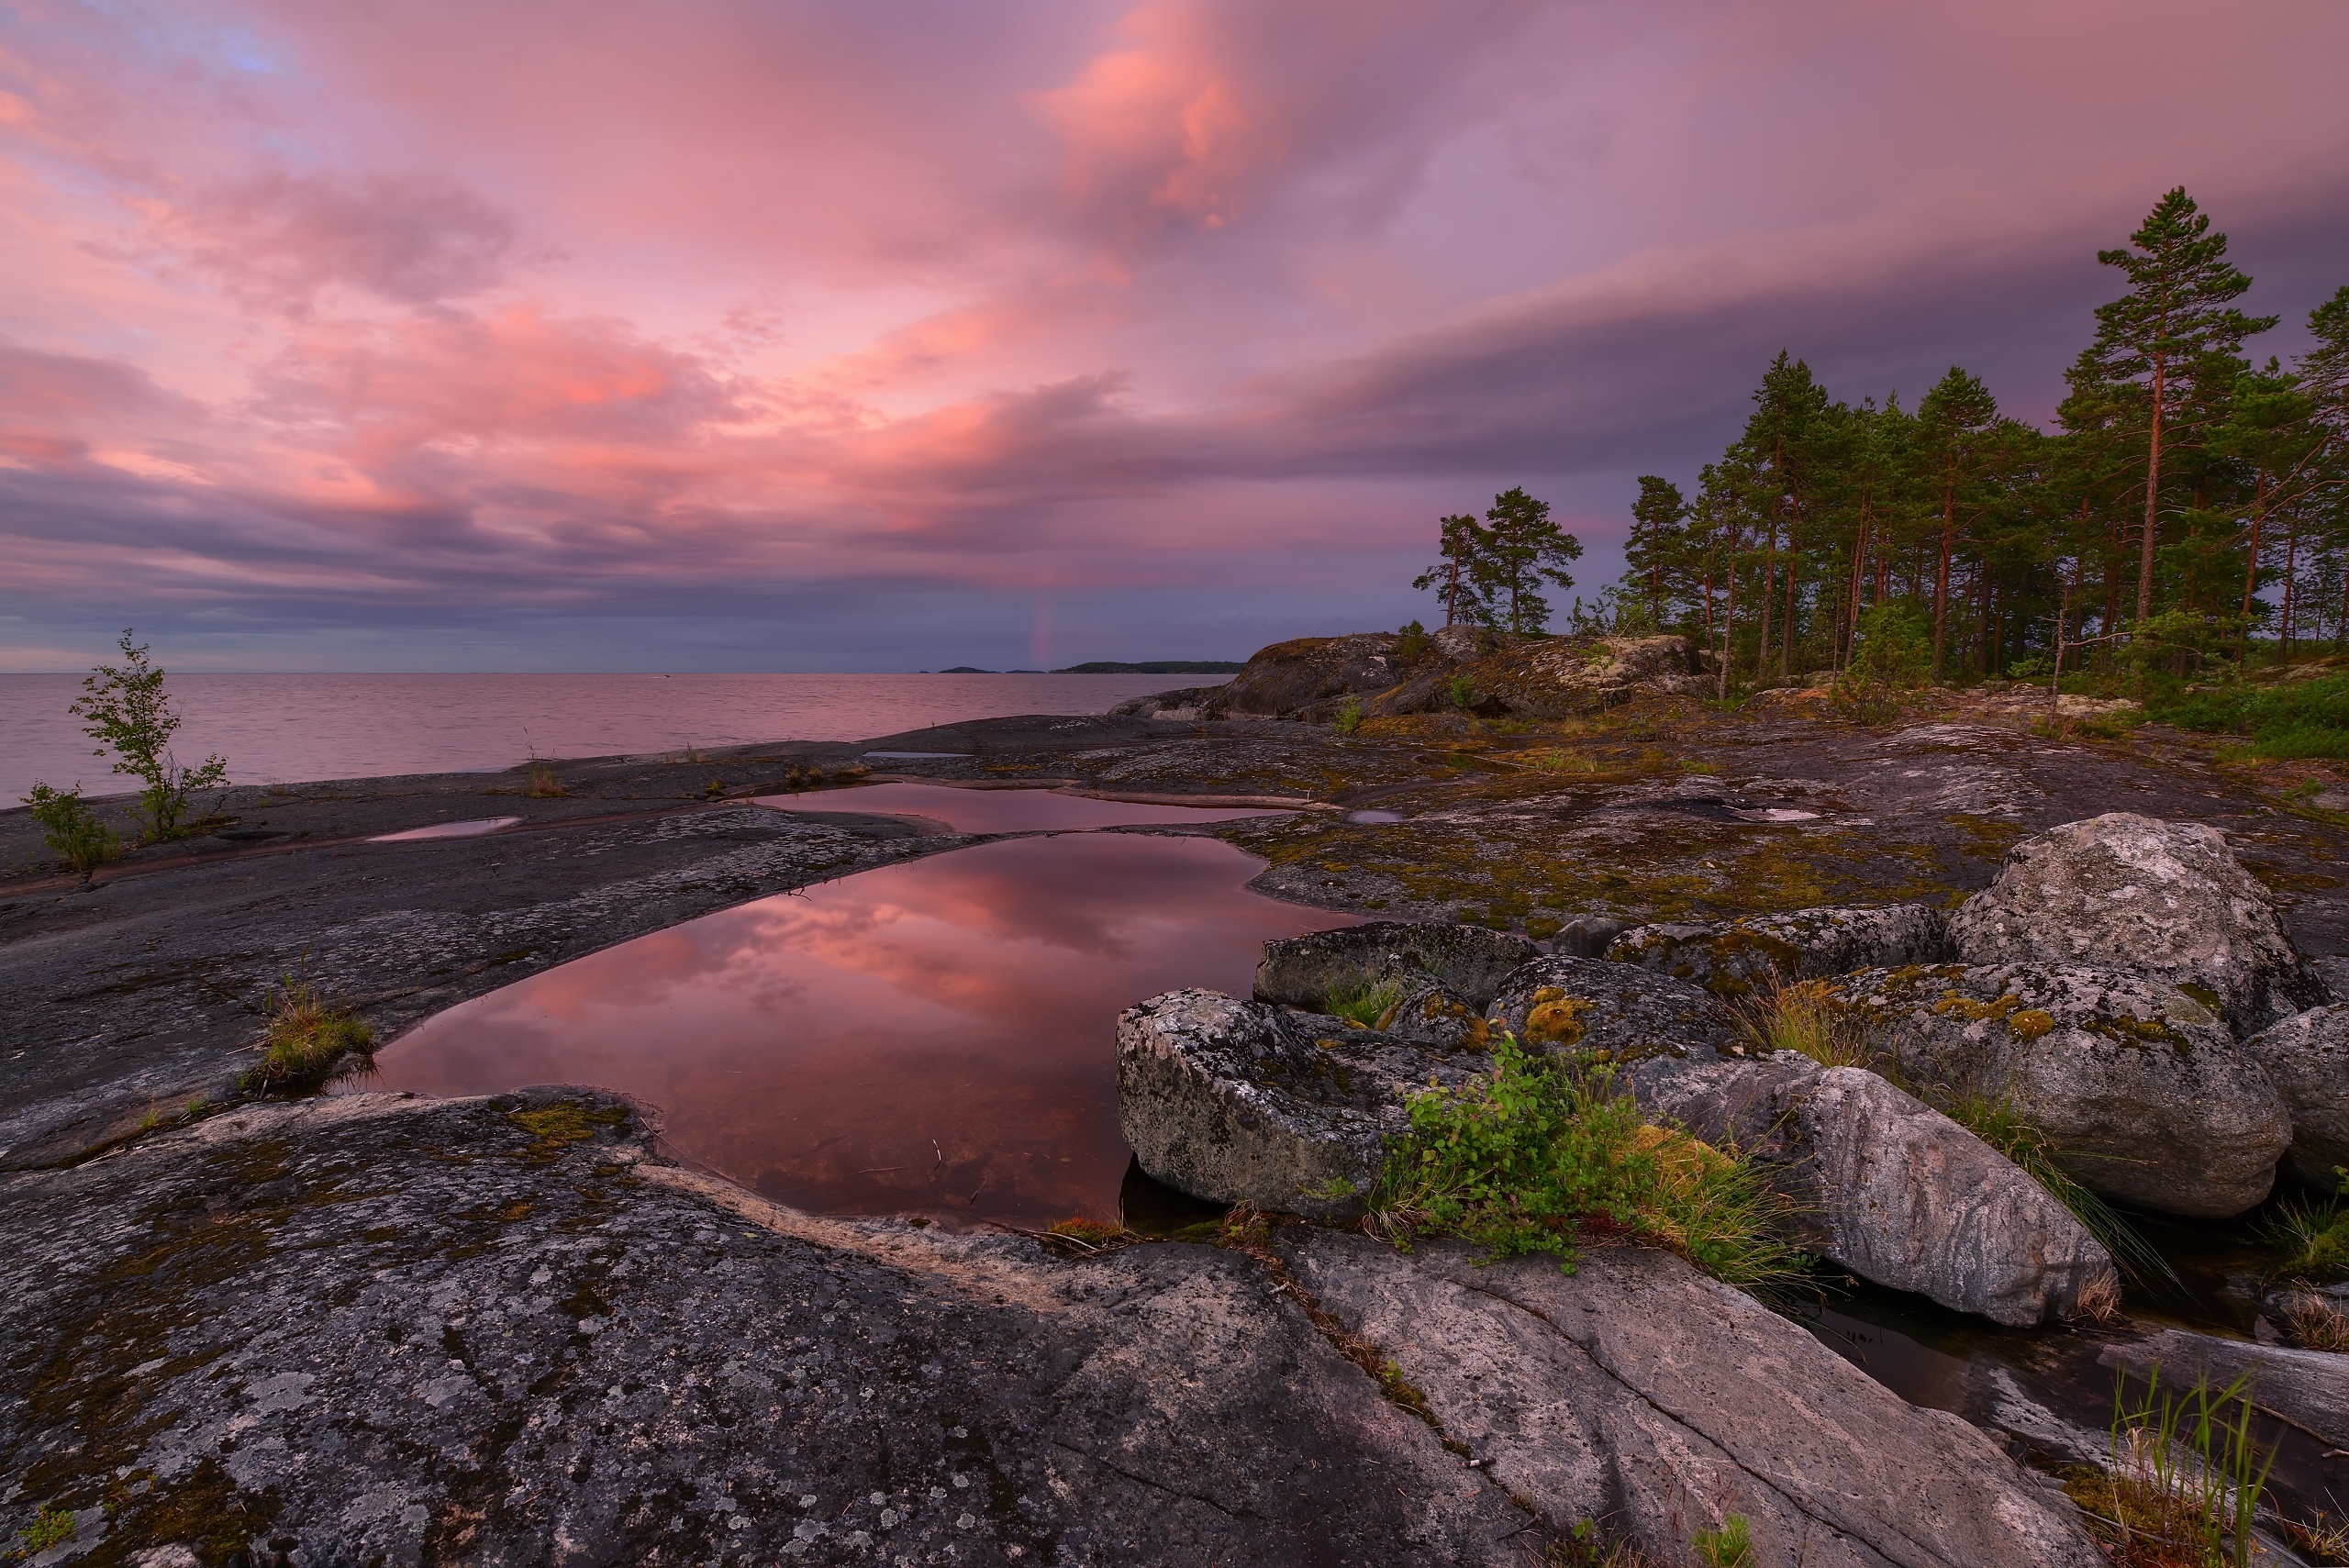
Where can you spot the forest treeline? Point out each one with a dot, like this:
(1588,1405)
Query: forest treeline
(2191,507)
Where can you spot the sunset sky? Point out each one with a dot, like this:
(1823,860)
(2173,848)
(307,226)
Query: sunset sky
(756,335)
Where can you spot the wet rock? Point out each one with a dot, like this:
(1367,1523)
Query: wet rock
(2144,1093)
(1888,1187)
(2129,892)
(1735,957)
(1242,1102)
(1580,1005)
(1638,1391)
(1301,971)
(2307,1058)
(392,1330)
(2309,1388)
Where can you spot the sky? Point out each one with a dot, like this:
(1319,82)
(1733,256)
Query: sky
(770,335)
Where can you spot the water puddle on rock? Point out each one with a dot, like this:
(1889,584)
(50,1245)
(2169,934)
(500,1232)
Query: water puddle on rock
(464,830)
(967,810)
(937,1037)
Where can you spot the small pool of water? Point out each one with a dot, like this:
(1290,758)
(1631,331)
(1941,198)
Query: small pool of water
(1005,810)
(464,830)
(1374,816)
(936,1037)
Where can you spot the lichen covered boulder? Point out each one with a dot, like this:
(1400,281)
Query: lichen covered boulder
(1279,679)
(2143,1092)
(1302,971)
(1735,957)
(1428,1012)
(1240,1102)
(1555,677)
(1888,1187)
(2167,899)
(1612,1012)
(2307,1058)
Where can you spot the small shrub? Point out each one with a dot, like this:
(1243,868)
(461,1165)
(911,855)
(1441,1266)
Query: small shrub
(2299,718)
(2321,1540)
(1349,715)
(1729,1546)
(1805,1018)
(1520,1160)
(1412,644)
(2318,1234)
(71,830)
(1462,691)
(1364,1002)
(539,783)
(1892,658)
(51,1527)
(310,1042)
(2315,1324)
(714,788)
(125,708)
(1587,1546)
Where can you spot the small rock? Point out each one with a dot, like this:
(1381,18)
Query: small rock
(2307,1058)
(2167,899)
(1301,971)
(1561,1003)
(2146,1095)
(1738,956)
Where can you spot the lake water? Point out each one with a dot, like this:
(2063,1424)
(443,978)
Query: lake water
(937,1036)
(278,728)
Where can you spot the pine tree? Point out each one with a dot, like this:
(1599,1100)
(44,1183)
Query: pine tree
(1954,419)
(1460,545)
(1657,540)
(2167,335)
(1522,549)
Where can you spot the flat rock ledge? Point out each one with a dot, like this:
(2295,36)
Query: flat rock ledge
(398,1330)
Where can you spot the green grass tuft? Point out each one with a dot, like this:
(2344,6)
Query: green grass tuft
(2295,718)
(311,1041)
(1805,1018)
(1526,1159)
(1364,1002)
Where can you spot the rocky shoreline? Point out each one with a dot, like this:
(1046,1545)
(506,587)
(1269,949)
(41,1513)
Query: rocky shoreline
(513,1330)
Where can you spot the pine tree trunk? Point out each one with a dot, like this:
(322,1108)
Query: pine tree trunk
(2153,501)
(2251,572)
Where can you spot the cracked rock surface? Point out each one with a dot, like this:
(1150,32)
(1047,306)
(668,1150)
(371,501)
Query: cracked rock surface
(398,1331)
(1639,1391)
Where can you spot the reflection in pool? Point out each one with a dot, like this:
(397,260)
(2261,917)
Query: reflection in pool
(1003,810)
(938,1036)
(464,830)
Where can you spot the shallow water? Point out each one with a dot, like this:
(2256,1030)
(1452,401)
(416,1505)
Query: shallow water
(469,828)
(935,1036)
(1003,810)
(277,729)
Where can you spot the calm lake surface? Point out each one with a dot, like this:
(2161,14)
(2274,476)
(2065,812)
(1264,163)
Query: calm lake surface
(937,1036)
(280,728)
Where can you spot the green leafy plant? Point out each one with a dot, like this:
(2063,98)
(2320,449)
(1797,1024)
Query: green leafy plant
(1462,691)
(124,707)
(2297,719)
(2185,1479)
(51,1527)
(1893,657)
(71,830)
(1523,1159)
(1365,1001)
(2318,1234)
(1728,1546)
(1412,644)
(310,1042)
(1349,715)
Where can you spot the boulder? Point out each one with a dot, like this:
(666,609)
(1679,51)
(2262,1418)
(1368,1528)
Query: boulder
(2307,1058)
(1638,1393)
(2146,1095)
(1428,1012)
(1888,1187)
(1614,1011)
(2129,892)
(1555,677)
(1301,971)
(1731,958)
(1240,1102)
(1287,676)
